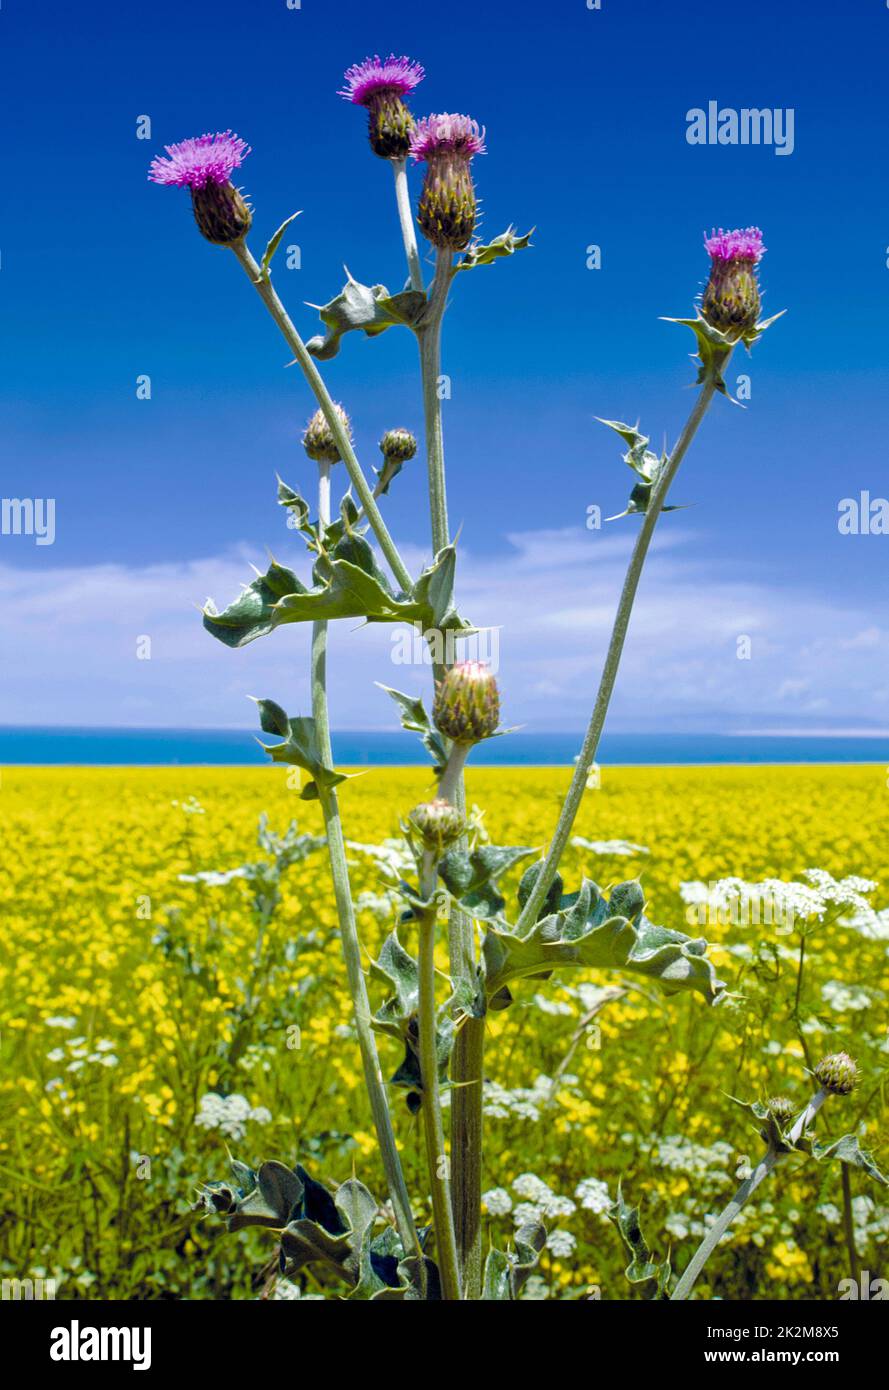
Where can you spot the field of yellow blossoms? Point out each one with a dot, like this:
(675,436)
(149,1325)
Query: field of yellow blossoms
(153,1020)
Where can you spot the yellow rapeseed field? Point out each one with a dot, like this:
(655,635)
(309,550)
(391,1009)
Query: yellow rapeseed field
(148,1024)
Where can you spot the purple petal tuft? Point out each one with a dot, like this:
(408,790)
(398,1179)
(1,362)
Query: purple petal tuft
(381,74)
(743,244)
(201,160)
(457,134)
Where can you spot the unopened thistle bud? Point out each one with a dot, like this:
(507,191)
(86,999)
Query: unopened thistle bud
(204,165)
(447,209)
(397,446)
(438,824)
(731,300)
(467,703)
(381,84)
(781,1110)
(837,1074)
(318,440)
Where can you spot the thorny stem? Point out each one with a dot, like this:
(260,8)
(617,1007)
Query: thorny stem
(770,1160)
(467,1063)
(587,757)
(336,849)
(430,366)
(406,218)
(263,285)
(433,1125)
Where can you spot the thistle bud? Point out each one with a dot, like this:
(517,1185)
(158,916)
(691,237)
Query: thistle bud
(381,85)
(438,824)
(318,440)
(837,1074)
(447,209)
(397,446)
(204,165)
(467,703)
(731,301)
(781,1110)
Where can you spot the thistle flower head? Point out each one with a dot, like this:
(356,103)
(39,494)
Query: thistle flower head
(447,208)
(381,84)
(447,133)
(203,159)
(438,824)
(743,244)
(731,300)
(318,440)
(467,703)
(398,445)
(204,165)
(365,80)
(837,1074)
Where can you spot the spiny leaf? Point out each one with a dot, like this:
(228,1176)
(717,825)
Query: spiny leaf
(503,245)
(271,248)
(641,1267)
(370,309)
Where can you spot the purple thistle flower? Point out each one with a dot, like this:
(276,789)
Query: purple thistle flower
(447,208)
(201,160)
(447,133)
(380,85)
(731,300)
(365,80)
(743,244)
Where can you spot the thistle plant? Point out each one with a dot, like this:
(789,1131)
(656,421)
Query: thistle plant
(460,897)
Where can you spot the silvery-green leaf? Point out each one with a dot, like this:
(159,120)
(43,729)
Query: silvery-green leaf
(370,309)
(397,969)
(471,877)
(271,248)
(299,746)
(415,718)
(845,1150)
(506,1272)
(347,583)
(641,1267)
(606,940)
(713,350)
(253,613)
(503,245)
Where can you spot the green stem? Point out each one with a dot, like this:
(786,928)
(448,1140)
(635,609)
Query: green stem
(467,1062)
(433,1125)
(798,999)
(587,757)
(336,849)
(430,367)
(467,1071)
(765,1166)
(406,218)
(263,285)
(849,1224)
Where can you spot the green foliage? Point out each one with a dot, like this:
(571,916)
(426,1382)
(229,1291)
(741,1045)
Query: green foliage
(503,245)
(642,1268)
(506,1272)
(347,583)
(598,932)
(370,309)
(315,1226)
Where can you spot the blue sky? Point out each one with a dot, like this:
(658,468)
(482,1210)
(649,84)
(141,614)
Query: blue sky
(105,278)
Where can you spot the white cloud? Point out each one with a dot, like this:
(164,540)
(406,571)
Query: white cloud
(69,637)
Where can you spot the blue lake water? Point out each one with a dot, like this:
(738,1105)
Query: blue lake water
(159,747)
